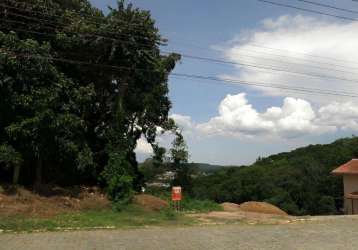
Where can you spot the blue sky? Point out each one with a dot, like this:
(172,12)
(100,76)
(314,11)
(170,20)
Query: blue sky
(238,128)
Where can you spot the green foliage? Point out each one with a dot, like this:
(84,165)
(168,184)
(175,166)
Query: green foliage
(119,180)
(299,182)
(200,206)
(327,205)
(9,156)
(130,217)
(169,214)
(179,152)
(40,120)
(151,170)
(188,204)
(73,98)
(179,156)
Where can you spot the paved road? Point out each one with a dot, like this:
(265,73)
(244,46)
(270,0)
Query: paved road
(325,234)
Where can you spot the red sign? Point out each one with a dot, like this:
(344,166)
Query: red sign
(176,194)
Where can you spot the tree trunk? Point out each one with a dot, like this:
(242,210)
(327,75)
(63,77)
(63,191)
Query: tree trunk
(38,173)
(16,174)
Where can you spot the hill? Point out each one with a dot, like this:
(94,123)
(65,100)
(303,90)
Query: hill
(298,181)
(206,168)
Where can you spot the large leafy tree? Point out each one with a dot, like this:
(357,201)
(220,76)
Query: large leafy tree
(40,108)
(119,55)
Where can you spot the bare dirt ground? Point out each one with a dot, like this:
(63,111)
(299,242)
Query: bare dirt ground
(227,217)
(51,201)
(326,233)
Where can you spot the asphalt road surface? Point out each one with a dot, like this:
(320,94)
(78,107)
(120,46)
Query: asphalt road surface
(340,233)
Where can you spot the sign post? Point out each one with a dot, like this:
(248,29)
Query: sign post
(176,197)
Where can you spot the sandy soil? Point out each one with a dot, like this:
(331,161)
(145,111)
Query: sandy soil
(52,201)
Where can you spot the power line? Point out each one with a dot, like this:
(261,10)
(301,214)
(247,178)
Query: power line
(189,56)
(54,15)
(220,81)
(329,6)
(265,67)
(102,19)
(73,33)
(303,53)
(280,55)
(57,24)
(308,10)
(302,60)
(269,67)
(297,64)
(237,81)
(64,27)
(262,67)
(102,36)
(286,55)
(283,87)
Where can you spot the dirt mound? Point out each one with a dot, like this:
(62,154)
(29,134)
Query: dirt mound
(230,207)
(25,202)
(261,207)
(150,202)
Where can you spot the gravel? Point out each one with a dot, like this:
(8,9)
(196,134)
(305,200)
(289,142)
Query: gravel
(322,233)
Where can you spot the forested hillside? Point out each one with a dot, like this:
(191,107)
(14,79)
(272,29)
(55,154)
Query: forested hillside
(298,182)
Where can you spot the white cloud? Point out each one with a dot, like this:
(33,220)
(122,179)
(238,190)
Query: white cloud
(164,139)
(143,147)
(183,122)
(307,35)
(238,118)
(342,115)
(294,118)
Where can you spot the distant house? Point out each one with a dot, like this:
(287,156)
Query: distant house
(162,180)
(349,171)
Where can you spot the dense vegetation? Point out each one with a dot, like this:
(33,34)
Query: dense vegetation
(78,88)
(298,182)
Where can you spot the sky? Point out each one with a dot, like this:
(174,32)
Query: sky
(267,46)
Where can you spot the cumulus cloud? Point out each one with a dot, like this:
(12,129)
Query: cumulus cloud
(334,43)
(296,117)
(184,122)
(143,147)
(342,115)
(237,117)
(164,139)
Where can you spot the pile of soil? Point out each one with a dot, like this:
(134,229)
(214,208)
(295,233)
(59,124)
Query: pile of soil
(230,207)
(150,202)
(261,207)
(53,201)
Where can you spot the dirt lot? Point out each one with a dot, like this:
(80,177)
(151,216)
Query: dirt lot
(227,217)
(326,233)
(51,201)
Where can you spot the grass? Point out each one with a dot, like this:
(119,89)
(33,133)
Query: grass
(188,204)
(131,217)
(200,206)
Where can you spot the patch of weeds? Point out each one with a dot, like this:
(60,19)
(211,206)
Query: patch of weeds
(129,217)
(169,214)
(202,206)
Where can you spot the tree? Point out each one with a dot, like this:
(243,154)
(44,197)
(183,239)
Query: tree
(41,109)
(179,162)
(11,158)
(300,181)
(114,60)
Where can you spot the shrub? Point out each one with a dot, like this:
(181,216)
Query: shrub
(119,181)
